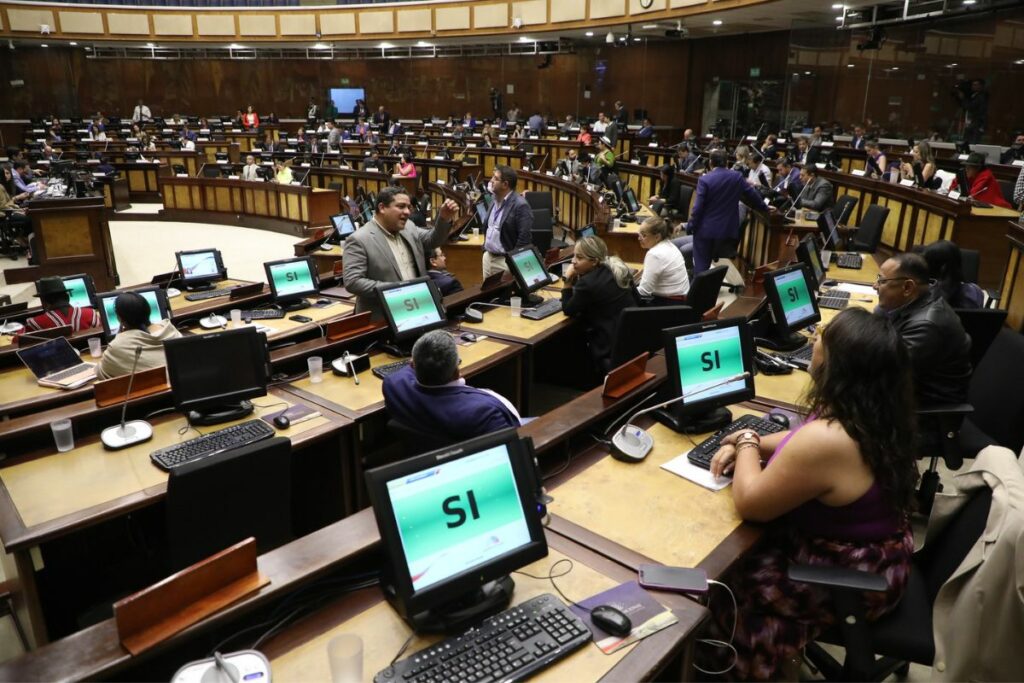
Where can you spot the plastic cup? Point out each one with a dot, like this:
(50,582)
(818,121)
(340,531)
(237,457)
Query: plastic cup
(316,369)
(476,232)
(95,347)
(236,316)
(517,306)
(345,654)
(63,435)
(616,224)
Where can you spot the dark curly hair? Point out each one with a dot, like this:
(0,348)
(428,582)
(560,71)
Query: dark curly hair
(865,385)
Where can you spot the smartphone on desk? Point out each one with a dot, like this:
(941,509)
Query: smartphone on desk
(300,318)
(678,579)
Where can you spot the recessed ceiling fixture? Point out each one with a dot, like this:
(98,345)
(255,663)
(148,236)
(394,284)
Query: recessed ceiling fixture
(73,44)
(589,34)
(716,22)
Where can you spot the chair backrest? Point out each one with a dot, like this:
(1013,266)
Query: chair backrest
(995,390)
(982,324)
(869,233)
(970,264)
(417,442)
(1006,187)
(540,200)
(685,197)
(705,288)
(843,209)
(942,555)
(542,232)
(217,501)
(639,329)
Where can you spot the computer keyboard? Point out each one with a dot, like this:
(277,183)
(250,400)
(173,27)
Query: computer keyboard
(79,369)
(541,311)
(801,357)
(835,293)
(509,646)
(703,452)
(833,302)
(206,445)
(383,371)
(854,261)
(264,314)
(208,294)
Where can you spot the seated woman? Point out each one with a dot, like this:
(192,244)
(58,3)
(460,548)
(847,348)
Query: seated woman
(136,331)
(669,197)
(597,288)
(922,169)
(283,174)
(405,167)
(837,491)
(945,266)
(664,281)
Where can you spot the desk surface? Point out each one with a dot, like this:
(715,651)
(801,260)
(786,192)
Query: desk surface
(180,306)
(865,275)
(19,389)
(500,323)
(342,395)
(48,493)
(284,327)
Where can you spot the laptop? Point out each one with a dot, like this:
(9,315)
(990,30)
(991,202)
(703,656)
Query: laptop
(55,363)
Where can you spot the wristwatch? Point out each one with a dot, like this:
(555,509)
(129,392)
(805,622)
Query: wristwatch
(749,436)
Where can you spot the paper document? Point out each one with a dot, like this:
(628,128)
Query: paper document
(698,475)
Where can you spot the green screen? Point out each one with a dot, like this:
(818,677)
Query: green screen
(411,306)
(708,357)
(794,296)
(292,278)
(458,515)
(530,268)
(112,320)
(79,295)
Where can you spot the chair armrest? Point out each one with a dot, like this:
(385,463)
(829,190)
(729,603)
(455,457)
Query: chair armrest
(837,577)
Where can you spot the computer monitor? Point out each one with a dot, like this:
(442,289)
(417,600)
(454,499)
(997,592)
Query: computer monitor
(156,297)
(343,227)
(701,360)
(481,214)
(587,231)
(200,268)
(488,199)
(411,307)
(81,290)
(527,267)
(807,253)
(828,226)
(629,197)
(992,152)
(963,185)
(790,307)
(453,524)
(213,375)
(291,281)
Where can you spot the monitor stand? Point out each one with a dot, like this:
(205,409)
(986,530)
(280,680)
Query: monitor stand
(200,287)
(768,334)
(293,305)
(219,414)
(701,423)
(466,611)
(397,350)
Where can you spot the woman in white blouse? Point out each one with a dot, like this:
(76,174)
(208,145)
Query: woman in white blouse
(664,280)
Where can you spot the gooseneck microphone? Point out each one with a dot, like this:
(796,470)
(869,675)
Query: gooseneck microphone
(127,433)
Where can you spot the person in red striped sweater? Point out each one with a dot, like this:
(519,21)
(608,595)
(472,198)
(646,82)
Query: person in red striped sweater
(57,310)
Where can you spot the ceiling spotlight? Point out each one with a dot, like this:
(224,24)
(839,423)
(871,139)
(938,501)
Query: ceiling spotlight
(589,34)
(385,45)
(423,43)
(807,73)
(838,5)
(716,22)
(968,2)
(236,46)
(320,46)
(649,26)
(88,48)
(849,66)
(45,45)
(524,39)
(637,39)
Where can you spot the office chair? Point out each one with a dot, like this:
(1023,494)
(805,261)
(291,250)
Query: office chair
(843,208)
(540,200)
(869,232)
(542,233)
(905,634)
(938,429)
(681,215)
(970,266)
(413,442)
(982,325)
(994,392)
(217,501)
(639,329)
(1006,187)
(705,288)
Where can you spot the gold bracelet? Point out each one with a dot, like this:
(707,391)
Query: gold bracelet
(747,443)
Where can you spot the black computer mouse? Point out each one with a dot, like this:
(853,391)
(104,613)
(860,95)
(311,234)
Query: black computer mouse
(610,620)
(282,422)
(779,419)
(468,337)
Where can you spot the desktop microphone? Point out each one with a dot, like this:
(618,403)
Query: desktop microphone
(632,444)
(127,433)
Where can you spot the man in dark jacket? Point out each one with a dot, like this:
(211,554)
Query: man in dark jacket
(939,347)
(508,222)
(430,397)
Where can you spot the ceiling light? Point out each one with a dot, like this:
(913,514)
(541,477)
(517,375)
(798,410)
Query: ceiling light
(649,26)
(610,38)
(150,45)
(716,22)
(45,45)
(385,45)
(236,46)
(637,39)
(952,65)
(807,73)
(88,48)
(838,5)
(849,66)
(524,39)
(320,46)
(423,43)
(589,34)
(73,44)
(968,2)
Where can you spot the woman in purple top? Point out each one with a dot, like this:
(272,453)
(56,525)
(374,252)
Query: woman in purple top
(836,491)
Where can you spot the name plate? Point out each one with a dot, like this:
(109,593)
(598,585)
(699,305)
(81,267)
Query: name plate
(344,167)
(906,182)
(550,173)
(439,157)
(440,182)
(954,194)
(962,157)
(635,162)
(858,172)
(652,144)
(828,144)
(176,175)
(820,165)
(422,142)
(232,177)
(563,138)
(505,147)
(750,137)
(471,144)
(1018,162)
(304,165)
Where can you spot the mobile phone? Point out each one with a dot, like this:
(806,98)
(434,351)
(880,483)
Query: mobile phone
(300,318)
(678,579)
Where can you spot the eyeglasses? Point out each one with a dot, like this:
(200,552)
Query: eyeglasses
(882,280)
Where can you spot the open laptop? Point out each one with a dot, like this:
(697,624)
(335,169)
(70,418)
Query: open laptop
(55,363)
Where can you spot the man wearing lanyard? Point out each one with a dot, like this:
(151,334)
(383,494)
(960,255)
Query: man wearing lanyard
(508,223)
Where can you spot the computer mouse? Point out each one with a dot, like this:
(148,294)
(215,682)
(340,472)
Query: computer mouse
(467,337)
(829,283)
(282,422)
(610,620)
(779,419)
(213,321)
(471,315)
(172,292)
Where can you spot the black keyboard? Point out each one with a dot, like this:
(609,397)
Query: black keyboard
(854,261)
(833,302)
(264,314)
(701,455)
(541,311)
(383,371)
(509,646)
(210,444)
(208,294)
(801,357)
(835,293)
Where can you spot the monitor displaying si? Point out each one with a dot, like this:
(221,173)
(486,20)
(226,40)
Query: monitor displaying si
(291,281)
(154,296)
(807,253)
(412,308)
(81,290)
(790,308)
(200,268)
(343,227)
(213,375)
(629,197)
(705,363)
(527,266)
(454,520)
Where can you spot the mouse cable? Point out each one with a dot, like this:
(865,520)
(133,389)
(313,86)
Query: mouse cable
(714,642)
(552,576)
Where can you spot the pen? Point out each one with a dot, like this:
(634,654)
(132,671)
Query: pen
(351,367)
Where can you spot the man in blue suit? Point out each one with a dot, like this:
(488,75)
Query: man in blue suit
(509,221)
(715,215)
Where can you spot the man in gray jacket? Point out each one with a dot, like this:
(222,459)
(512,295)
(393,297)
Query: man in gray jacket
(817,191)
(390,248)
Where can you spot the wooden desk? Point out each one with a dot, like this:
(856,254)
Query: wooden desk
(284,328)
(46,495)
(499,322)
(300,653)
(1012,293)
(865,275)
(144,179)
(21,393)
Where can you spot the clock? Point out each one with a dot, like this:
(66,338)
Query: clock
(646,4)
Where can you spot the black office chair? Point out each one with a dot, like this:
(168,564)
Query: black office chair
(705,288)
(1006,187)
(540,200)
(217,501)
(682,214)
(905,634)
(542,233)
(970,264)
(994,391)
(842,210)
(869,233)
(639,329)
(982,325)
(411,442)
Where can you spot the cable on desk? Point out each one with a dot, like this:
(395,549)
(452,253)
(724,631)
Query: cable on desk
(714,642)
(159,411)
